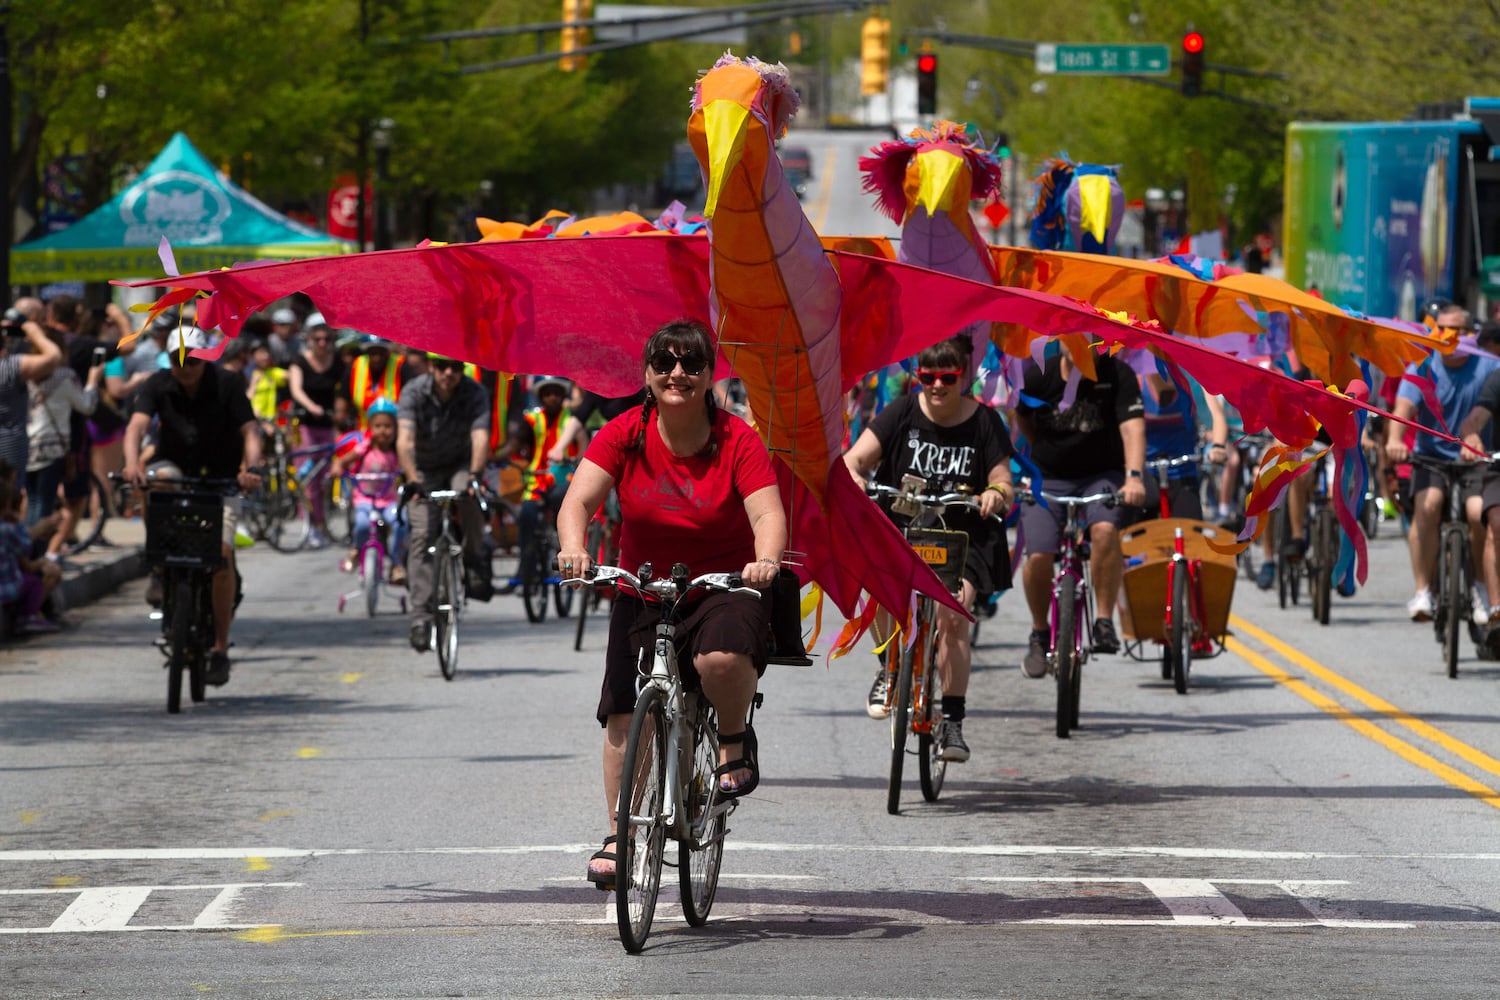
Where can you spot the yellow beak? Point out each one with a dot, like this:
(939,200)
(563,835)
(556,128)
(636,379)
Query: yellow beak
(938,172)
(725,125)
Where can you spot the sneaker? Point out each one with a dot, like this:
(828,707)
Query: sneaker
(1479,603)
(1345,588)
(951,740)
(1035,664)
(875,706)
(1265,577)
(421,636)
(316,539)
(1105,640)
(37,625)
(217,673)
(242,538)
(1419,608)
(1389,510)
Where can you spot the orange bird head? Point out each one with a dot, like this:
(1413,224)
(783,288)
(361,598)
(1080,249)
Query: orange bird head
(940,170)
(740,108)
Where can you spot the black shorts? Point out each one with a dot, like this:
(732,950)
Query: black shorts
(720,623)
(1478,481)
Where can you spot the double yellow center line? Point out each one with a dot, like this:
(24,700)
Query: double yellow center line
(1365,727)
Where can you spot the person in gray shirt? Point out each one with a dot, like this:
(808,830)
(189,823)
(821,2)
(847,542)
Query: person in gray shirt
(443,442)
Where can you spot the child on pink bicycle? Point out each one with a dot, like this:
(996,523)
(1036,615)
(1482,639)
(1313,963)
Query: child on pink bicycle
(374,468)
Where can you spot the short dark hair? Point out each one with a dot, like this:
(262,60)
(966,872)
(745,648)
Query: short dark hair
(946,354)
(1489,333)
(63,309)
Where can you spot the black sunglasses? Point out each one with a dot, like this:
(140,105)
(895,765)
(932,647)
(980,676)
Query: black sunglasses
(447,366)
(947,378)
(187,362)
(664,362)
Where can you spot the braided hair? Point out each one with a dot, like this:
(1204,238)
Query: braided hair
(680,336)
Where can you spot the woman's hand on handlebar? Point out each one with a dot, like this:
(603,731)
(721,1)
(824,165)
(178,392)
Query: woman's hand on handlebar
(573,562)
(759,574)
(135,475)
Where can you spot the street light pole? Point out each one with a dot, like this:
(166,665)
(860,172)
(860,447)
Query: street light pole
(7,214)
(381,139)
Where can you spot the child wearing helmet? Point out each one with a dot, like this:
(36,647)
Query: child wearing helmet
(375,457)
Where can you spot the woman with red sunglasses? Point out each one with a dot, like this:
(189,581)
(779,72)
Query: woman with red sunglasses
(945,436)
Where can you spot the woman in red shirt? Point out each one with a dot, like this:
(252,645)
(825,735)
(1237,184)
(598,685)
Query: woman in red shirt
(695,485)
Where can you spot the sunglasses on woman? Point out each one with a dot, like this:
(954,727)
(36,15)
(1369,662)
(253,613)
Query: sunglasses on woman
(945,377)
(664,362)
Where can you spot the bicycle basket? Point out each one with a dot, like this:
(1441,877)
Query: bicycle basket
(184,529)
(945,551)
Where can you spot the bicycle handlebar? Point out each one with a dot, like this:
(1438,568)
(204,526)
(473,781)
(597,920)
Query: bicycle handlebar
(663,589)
(1110,499)
(1158,464)
(926,500)
(206,484)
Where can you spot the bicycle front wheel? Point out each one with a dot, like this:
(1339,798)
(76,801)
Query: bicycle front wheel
(901,717)
(589,596)
(1325,546)
(534,584)
(447,599)
(640,830)
(1454,605)
(180,636)
(931,767)
(1065,656)
(1181,627)
(700,853)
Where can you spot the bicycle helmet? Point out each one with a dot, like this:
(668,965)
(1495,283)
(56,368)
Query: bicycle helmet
(555,381)
(189,338)
(380,405)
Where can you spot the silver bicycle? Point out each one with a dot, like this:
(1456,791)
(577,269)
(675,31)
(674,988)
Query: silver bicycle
(667,787)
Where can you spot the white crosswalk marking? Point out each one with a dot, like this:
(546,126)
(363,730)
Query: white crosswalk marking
(111,908)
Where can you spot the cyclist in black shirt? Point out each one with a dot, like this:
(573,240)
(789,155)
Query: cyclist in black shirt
(206,429)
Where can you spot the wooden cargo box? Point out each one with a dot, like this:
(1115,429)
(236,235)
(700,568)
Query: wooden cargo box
(1148,548)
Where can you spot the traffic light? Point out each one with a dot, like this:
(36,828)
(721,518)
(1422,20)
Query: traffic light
(1192,64)
(1002,145)
(574,38)
(874,56)
(927,83)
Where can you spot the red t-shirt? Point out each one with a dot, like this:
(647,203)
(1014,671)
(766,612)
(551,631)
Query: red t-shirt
(689,510)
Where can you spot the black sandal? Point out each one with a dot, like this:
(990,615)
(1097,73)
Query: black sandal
(604,881)
(749,760)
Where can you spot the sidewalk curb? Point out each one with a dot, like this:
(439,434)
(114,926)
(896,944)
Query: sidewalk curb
(99,579)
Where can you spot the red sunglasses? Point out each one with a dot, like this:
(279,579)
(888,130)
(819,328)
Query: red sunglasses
(946,377)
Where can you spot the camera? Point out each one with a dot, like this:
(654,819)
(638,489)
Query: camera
(12,322)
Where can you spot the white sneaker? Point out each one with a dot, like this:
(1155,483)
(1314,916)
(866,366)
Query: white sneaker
(1479,601)
(1420,606)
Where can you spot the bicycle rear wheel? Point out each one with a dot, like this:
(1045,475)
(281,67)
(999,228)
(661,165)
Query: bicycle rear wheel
(289,521)
(1180,628)
(369,578)
(901,717)
(91,527)
(1065,657)
(702,851)
(931,767)
(1455,593)
(448,598)
(641,834)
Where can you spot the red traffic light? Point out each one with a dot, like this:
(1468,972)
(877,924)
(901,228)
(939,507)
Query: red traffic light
(926,63)
(1192,42)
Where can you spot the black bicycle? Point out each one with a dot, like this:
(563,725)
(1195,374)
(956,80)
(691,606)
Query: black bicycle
(184,541)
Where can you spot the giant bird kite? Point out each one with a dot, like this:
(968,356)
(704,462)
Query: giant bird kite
(799,321)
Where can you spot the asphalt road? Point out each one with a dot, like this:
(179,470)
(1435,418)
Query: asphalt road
(1315,816)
